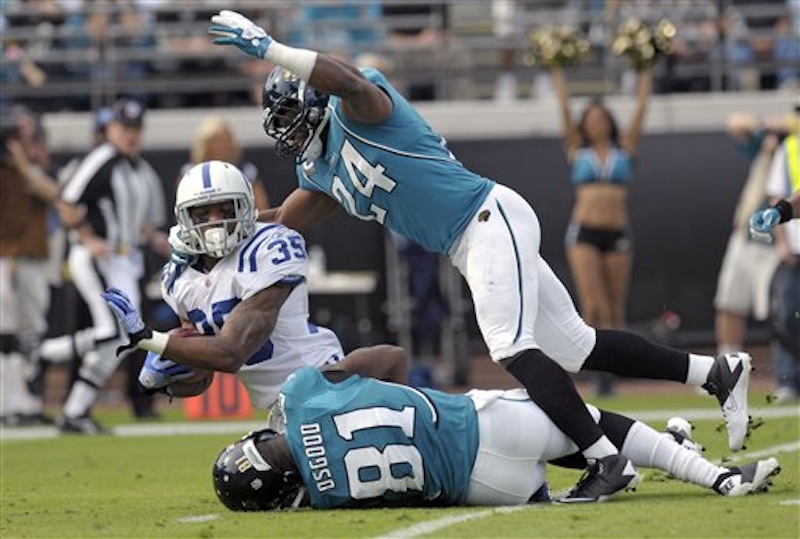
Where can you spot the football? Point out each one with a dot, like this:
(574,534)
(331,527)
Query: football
(199,381)
(192,386)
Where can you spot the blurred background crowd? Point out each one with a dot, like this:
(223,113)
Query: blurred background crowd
(80,54)
(147,70)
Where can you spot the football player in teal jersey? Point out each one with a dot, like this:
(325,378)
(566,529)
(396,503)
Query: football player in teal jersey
(360,145)
(353,442)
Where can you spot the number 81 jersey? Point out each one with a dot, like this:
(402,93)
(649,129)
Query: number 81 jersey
(362,442)
(273,254)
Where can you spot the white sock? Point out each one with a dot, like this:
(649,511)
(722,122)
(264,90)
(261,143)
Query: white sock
(601,448)
(81,398)
(647,447)
(13,380)
(699,367)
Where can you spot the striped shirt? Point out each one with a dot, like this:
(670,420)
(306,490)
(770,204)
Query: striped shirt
(120,194)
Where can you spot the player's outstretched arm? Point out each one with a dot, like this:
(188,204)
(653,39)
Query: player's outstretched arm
(383,361)
(301,210)
(362,101)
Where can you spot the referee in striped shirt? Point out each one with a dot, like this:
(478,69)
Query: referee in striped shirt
(113,206)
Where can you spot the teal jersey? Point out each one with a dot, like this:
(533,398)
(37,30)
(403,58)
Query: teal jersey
(362,442)
(587,168)
(399,173)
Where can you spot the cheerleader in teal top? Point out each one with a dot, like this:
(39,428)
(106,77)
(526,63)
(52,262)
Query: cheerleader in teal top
(598,240)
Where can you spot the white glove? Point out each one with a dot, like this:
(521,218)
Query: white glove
(238,30)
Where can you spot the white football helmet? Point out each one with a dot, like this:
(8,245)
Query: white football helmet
(213,182)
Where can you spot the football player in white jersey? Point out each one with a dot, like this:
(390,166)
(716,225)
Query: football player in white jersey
(245,288)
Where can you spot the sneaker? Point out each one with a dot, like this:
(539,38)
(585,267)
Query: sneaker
(728,381)
(681,431)
(748,479)
(604,477)
(80,425)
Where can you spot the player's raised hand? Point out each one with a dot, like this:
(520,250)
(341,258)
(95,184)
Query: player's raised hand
(129,317)
(236,29)
(763,222)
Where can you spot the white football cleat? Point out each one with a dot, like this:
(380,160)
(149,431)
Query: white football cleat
(728,381)
(747,479)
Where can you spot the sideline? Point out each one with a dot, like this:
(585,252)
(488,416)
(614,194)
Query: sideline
(10,434)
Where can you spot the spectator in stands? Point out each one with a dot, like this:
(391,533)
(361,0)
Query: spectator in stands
(419,33)
(215,140)
(598,241)
(738,51)
(342,27)
(137,38)
(786,53)
(27,194)
(743,287)
(508,26)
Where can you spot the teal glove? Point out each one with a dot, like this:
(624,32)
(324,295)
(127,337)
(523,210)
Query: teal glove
(236,29)
(763,222)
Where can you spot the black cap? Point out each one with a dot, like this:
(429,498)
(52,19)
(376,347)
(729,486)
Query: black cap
(128,112)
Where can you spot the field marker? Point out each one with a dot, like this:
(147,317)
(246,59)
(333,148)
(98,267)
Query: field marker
(198,518)
(434,525)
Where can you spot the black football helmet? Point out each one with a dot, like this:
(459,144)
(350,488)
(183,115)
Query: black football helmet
(245,481)
(294,114)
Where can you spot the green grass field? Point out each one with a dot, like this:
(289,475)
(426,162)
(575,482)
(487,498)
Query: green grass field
(113,486)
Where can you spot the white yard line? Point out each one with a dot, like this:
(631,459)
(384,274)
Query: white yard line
(435,525)
(194,519)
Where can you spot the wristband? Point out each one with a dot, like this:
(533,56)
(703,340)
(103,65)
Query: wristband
(299,61)
(785,210)
(156,342)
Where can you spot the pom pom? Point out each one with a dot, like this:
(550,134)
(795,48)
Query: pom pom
(643,44)
(556,46)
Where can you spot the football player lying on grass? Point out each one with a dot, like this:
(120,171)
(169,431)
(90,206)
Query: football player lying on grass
(351,441)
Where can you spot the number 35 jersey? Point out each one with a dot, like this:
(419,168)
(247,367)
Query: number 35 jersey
(363,442)
(399,173)
(273,254)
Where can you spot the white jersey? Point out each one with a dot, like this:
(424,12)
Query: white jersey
(273,254)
